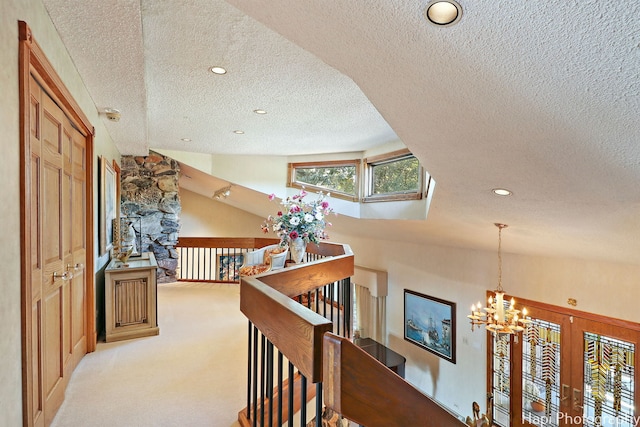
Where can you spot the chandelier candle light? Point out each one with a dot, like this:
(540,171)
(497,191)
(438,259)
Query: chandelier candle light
(496,318)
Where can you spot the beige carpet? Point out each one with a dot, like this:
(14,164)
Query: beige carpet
(192,374)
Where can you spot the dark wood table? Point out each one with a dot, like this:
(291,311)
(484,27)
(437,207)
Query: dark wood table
(384,355)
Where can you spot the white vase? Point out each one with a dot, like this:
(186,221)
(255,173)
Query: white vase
(298,248)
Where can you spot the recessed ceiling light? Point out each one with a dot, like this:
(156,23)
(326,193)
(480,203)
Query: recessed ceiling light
(218,70)
(185,139)
(443,13)
(259,111)
(502,192)
(238,132)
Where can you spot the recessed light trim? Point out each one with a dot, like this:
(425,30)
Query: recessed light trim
(238,132)
(443,13)
(218,70)
(259,111)
(185,139)
(502,192)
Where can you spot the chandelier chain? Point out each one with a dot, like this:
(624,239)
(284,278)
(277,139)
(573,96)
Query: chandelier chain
(499,258)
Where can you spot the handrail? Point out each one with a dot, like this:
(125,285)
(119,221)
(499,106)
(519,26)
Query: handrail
(301,278)
(357,386)
(265,300)
(271,312)
(225,242)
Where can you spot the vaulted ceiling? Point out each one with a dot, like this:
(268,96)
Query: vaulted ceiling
(539,97)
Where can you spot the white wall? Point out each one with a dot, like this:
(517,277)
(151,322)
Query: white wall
(34,13)
(204,217)
(463,276)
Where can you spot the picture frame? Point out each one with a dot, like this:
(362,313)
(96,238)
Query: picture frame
(129,234)
(228,268)
(108,204)
(430,323)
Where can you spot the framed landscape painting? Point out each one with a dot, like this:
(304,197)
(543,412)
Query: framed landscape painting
(430,323)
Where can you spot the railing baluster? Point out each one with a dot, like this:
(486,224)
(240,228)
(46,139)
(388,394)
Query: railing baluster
(263,340)
(324,300)
(270,381)
(338,321)
(280,375)
(331,291)
(318,404)
(303,401)
(291,388)
(249,360)
(348,306)
(254,417)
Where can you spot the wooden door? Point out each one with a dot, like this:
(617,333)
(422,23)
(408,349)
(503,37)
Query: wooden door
(58,225)
(568,368)
(56,204)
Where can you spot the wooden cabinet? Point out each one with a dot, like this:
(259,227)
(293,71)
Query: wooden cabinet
(131,298)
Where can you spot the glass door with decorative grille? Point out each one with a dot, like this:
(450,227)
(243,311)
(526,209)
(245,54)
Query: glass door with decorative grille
(565,370)
(604,388)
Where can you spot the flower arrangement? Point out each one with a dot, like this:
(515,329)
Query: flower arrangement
(300,218)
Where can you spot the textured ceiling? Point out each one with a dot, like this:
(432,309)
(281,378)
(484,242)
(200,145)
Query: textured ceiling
(538,97)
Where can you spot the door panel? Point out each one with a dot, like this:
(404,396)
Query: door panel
(55,226)
(78,251)
(604,384)
(36,365)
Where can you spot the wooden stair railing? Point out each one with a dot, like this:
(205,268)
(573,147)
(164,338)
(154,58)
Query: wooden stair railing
(365,391)
(294,329)
(200,256)
(355,384)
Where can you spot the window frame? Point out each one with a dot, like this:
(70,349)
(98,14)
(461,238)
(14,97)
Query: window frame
(371,162)
(291,182)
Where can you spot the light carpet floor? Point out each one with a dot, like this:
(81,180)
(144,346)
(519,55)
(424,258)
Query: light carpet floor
(192,374)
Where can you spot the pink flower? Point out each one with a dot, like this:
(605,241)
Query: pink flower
(324,204)
(279,213)
(293,235)
(272,196)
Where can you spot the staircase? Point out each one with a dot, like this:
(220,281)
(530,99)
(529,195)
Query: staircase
(310,346)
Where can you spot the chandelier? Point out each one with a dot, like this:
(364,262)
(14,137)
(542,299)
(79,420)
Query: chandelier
(497,316)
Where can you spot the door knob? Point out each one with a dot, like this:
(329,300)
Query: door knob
(64,276)
(78,266)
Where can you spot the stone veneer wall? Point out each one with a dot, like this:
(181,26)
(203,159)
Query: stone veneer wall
(149,191)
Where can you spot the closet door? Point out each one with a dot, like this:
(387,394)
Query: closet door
(57,201)
(56,205)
